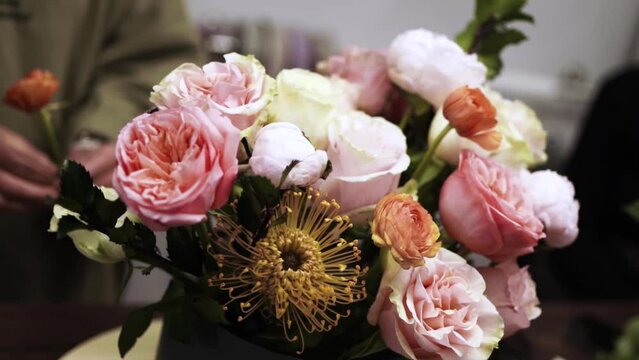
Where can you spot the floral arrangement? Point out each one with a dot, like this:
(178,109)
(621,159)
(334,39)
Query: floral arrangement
(379,204)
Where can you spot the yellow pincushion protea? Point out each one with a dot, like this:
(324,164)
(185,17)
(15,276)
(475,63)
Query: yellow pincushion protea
(298,272)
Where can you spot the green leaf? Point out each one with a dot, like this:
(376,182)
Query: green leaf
(135,326)
(184,250)
(633,209)
(487,9)
(76,183)
(466,37)
(68,224)
(124,234)
(495,42)
(369,346)
(266,193)
(493,64)
(210,310)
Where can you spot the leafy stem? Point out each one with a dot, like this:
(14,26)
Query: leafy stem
(45,118)
(423,165)
(166,265)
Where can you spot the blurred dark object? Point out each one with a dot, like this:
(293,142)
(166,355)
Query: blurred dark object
(602,263)
(277,47)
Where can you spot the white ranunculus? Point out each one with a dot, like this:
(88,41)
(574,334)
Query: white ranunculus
(368,156)
(523,137)
(432,66)
(276,146)
(308,100)
(93,244)
(553,198)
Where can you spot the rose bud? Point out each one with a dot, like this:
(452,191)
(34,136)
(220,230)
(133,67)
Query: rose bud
(406,228)
(32,92)
(279,144)
(473,117)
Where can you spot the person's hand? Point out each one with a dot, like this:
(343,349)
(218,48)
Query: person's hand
(100,161)
(27,176)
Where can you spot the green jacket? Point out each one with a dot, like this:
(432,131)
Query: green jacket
(107,54)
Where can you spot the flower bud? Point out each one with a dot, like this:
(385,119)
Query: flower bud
(32,92)
(473,117)
(277,145)
(406,228)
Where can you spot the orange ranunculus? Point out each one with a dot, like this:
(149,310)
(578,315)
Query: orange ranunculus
(473,117)
(406,228)
(32,92)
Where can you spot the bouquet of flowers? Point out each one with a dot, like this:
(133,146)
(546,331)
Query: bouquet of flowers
(379,204)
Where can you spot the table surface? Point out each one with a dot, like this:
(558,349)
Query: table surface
(36,332)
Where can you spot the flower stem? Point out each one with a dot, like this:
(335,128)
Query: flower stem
(405,118)
(45,117)
(166,265)
(423,165)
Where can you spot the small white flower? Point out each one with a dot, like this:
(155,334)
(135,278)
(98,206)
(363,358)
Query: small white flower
(279,144)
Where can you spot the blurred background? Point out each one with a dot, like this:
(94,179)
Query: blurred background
(573,48)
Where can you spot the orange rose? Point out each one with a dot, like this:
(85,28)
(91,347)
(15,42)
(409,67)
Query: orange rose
(32,92)
(473,117)
(406,228)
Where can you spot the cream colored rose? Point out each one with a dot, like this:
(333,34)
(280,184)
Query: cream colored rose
(308,100)
(432,66)
(523,137)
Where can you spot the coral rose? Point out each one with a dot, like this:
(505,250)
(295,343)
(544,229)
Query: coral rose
(365,68)
(239,88)
(436,311)
(176,164)
(472,116)
(513,292)
(484,206)
(406,228)
(32,92)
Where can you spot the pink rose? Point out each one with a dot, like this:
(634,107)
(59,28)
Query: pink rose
(436,311)
(238,88)
(483,205)
(368,156)
(513,292)
(176,164)
(365,68)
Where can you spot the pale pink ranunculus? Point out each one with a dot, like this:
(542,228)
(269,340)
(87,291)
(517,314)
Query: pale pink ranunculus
(368,155)
(553,198)
(484,205)
(437,310)
(176,164)
(239,88)
(365,68)
(514,293)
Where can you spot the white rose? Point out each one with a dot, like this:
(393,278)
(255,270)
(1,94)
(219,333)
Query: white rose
(523,137)
(432,66)
(553,198)
(368,156)
(276,146)
(93,244)
(239,88)
(308,100)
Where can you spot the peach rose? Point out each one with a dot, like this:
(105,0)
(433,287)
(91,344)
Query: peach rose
(436,311)
(406,228)
(176,164)
(239,88)
(32,92)
(484,206)
(365,68)
(472,116)
(513,292)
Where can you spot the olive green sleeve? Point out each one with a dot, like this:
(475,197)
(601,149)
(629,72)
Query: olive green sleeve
(149,39)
